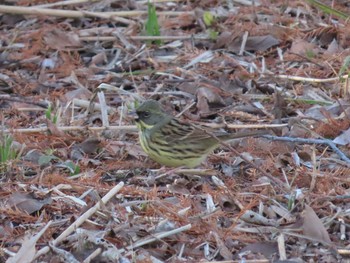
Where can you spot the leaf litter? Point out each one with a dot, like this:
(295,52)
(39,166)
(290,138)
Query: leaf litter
(76,185)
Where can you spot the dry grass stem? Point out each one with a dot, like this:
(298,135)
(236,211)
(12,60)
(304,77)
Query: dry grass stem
(93,105)
(128,128)
(81,219)
(315,80)
(79,14)
(158,236)
(71,69)
(144,38)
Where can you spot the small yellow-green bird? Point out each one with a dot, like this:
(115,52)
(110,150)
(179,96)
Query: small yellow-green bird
(175,143)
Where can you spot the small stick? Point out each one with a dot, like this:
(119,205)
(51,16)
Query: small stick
(311,141)
(21,10)
(157,236)
(297,78)
(145,38)
(23,100)
(63,3)
(81,219)
(129,128)
(277,181)
(94,254)
(282,247)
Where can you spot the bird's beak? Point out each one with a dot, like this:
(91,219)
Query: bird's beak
(133,115)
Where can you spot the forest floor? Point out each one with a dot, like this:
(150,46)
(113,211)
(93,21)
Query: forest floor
(77,187)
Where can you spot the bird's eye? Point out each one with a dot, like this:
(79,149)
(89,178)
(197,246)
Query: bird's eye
(146,114)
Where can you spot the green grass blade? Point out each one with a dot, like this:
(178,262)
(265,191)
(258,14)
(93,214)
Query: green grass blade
(328,10)
(152,26)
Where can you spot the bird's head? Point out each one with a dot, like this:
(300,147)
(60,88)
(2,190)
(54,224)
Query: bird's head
(149,113)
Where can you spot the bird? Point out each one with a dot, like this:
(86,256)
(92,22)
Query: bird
(173,142)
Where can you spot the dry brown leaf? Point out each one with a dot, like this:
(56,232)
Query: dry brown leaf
(206,96)
(54,130)
(131,148)
(224,38)
(26,253)
(27,250)
(58,39)
(301,47)
(178,189)
(343,139)
(26,202)
(89,146)
(79,93)
(265,248)
(334,48)
(224,251)
(312,226)
(255,43)
(250,216)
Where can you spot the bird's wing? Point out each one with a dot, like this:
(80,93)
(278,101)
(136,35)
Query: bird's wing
(176,130)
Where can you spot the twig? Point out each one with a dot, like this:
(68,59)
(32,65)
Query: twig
(64,3)
(146,38)
(277,181)
(129,128)
(20,10)
(93,255)
(81,219)
(24,100)
(176,93)
(244,42)
(326,244)
(88,104)
(297,78)
(30,109)
(22,253)
(300,100)
(281,247)
(105,86)
(311,141)
(104,107)
(157,236)
(240,261)
(244,126)
(77,2)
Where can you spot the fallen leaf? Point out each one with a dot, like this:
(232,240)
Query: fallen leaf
(344,138)
(27,203)
(265,248)
(54,130)
(254,43)
(27,250)
(58,39)
(312,226)
(206,96)
(89,146)
(302,47)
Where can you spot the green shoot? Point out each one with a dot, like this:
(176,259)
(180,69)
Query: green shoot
(328,10)
(309,53)
(208,19)
(50,116)
(46,159)
(7,151)
(72,167)
(344,67)
(152,26)
(291,201)
(213,34)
